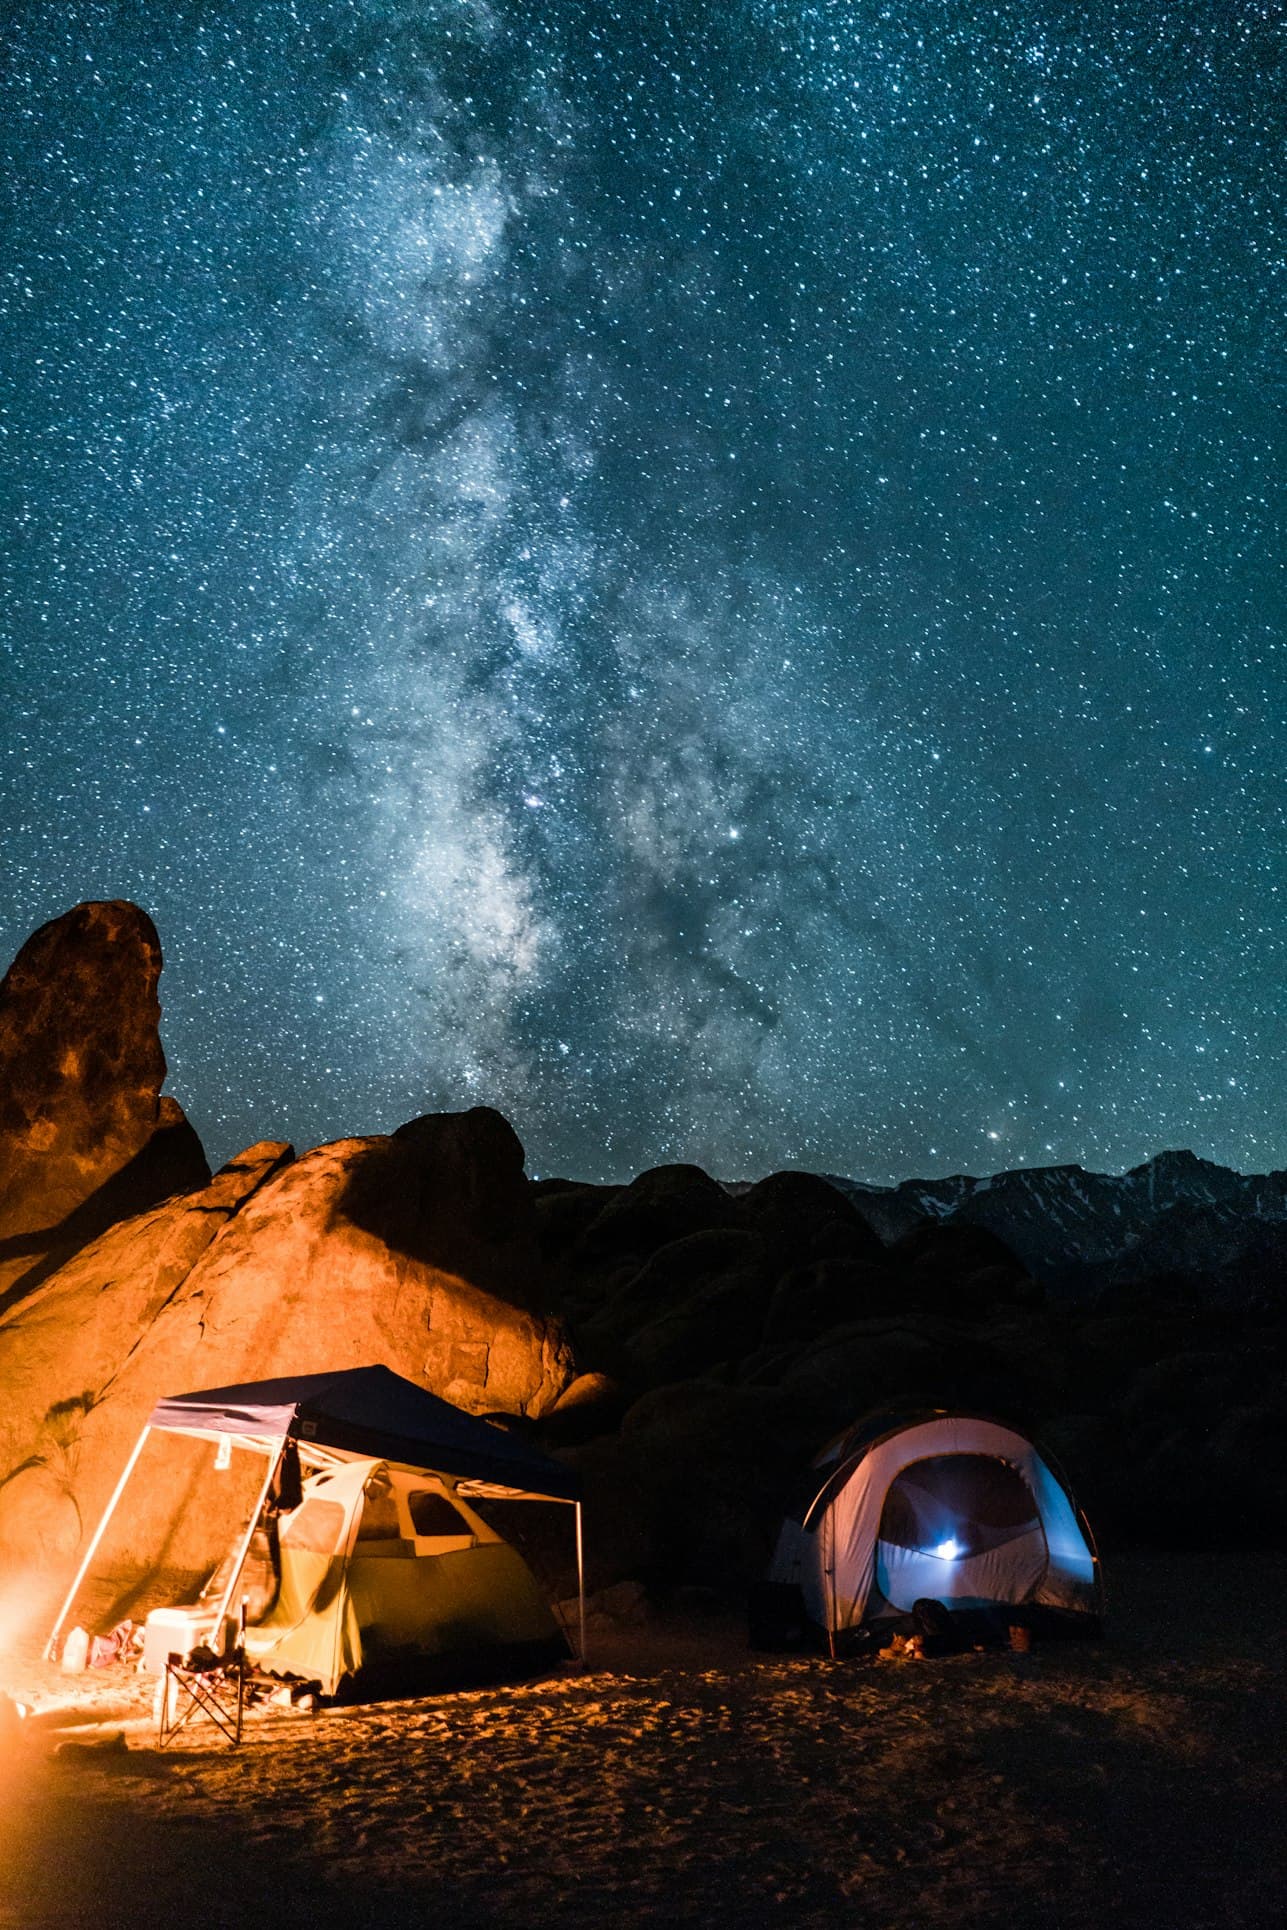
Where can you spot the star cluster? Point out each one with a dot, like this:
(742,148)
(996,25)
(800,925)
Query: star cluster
(708,574)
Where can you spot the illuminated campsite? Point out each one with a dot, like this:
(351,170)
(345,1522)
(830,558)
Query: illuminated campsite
(664,1603)
(643,1090)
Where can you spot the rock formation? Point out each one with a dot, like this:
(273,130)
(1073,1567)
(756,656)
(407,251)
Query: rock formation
(68,1348)
(85,1135)
(721,1334)
(736,1329)
(418,1251)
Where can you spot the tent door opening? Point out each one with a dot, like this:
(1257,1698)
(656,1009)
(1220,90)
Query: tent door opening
(964,1529)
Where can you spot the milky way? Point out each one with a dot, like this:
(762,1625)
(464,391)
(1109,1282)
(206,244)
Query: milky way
(711,576)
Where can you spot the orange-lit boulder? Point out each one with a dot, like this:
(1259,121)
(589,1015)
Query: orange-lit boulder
(85,1136)
(417,1250)
(64,1430)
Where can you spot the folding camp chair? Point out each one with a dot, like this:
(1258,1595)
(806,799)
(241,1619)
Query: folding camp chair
(206,1684)
(218,1692)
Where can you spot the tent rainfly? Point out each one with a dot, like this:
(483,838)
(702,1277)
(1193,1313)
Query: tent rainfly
(947,1507)
(378,1558)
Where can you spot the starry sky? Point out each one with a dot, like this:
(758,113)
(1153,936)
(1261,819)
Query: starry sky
(710,575)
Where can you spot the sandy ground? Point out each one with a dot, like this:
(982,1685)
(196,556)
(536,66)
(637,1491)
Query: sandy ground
(685,1781)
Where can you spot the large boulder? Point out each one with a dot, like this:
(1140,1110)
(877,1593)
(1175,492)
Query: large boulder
(869,1364)
(803,1218)
(86,1138)
(590,1406)
(809,1300)
(691,1490)
(64,1430)
(665,1204)
(719,1325)
(564,1209)
(417,1250)
(967,1271)
(696,1302)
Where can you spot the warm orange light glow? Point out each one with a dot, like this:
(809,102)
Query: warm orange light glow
(22,1604)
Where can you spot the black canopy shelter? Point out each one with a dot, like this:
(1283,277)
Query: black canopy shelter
(373,1412)
(354,1413)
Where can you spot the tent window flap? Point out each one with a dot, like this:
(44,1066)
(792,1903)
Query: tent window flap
(316,1527)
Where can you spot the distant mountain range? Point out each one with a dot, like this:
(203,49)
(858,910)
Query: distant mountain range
(1080,1232)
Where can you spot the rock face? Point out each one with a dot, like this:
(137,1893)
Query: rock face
(418,1251)
(64,1430)
(85,1136)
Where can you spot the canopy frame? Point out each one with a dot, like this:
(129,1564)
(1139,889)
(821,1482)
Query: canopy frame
(272,1441)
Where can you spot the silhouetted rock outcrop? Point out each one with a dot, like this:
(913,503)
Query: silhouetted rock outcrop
(85,1135)
(694,1300)
(803,1218)
(565,1208)
(751,1328)
(662,1205)
(957,1267)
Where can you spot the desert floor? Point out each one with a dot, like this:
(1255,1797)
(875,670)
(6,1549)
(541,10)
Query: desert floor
(685,1781)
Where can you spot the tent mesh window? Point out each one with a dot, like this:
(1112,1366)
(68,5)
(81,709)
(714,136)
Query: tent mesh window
(974,1501)
(432,1514)
(379,1529)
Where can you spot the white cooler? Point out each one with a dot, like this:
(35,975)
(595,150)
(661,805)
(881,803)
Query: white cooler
(174,1631)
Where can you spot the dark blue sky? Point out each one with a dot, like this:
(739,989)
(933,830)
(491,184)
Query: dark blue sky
(709,575)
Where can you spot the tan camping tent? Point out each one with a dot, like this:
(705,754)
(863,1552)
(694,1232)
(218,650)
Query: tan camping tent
(379,1564)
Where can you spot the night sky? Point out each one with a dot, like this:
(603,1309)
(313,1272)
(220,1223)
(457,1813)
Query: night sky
(709,575)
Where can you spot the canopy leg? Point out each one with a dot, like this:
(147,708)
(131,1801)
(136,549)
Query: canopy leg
(274,1461)
(580,1582)
(92,1550)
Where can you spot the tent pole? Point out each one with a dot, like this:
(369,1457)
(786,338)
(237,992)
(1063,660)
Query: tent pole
(274,1462)
(580,1581)
(92,1550)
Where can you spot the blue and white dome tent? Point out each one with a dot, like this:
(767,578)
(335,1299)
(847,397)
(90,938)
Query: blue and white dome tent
(940,1506)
